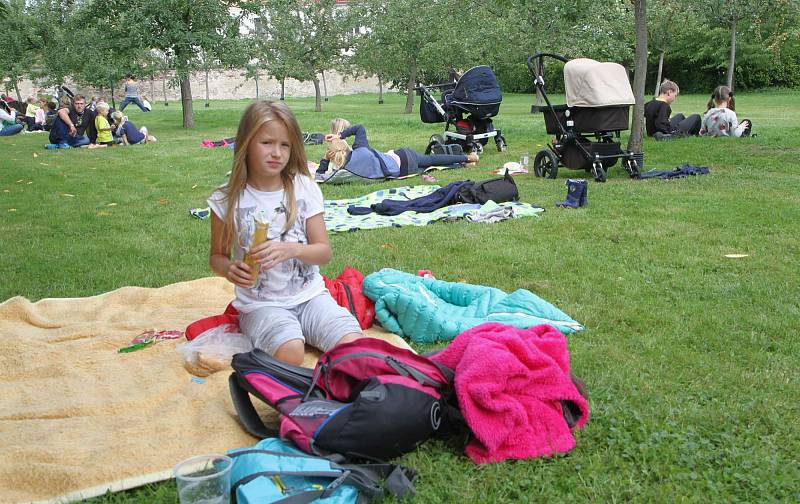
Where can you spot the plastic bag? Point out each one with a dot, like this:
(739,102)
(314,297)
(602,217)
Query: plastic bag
(212,350)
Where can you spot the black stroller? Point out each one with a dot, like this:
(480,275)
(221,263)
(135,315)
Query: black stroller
(475,94)
(587,128)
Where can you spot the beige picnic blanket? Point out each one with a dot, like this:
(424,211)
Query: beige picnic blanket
(77,418)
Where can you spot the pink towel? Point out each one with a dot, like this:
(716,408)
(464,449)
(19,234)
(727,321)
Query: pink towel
(510,383)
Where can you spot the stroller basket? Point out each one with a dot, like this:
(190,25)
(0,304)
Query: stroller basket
(587,120)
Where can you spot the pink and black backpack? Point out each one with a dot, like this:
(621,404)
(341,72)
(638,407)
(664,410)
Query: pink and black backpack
(364,400)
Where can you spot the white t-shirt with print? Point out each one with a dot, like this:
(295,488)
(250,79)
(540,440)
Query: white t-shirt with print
(291,282)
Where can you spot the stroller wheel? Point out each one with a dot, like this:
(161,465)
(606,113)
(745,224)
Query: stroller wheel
(598,171)
(436,140)
(632,167)
(500,141)
(545,164)
(475,147)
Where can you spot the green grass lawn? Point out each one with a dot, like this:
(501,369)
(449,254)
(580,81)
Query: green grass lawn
(691,358)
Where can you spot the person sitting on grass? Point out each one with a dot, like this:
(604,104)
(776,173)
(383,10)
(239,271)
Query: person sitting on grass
(8,120)
(281,298)
(31,110)
(104,136)
(50,114)
(367,162)
(40,117)
(73,126)
(128,132)
(657,112)
(720,119)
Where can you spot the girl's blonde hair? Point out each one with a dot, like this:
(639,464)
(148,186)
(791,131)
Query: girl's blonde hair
(102,106)
(254,117)
(338,125)
(340,150)
(117,118)
(65,102)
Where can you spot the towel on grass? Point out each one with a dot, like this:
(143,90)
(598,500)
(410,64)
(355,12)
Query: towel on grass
(510,385)
(77,418)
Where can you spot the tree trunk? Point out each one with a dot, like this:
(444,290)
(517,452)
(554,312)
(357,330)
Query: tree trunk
(152,88)
(660,68)
(412,81)
(732,59)
(637,126)
(111,91)
(258,92)
(325,85)
(207,105)
(283,88)
(186,102)
(16,88)
(380,90)
(164,88)
(318,95)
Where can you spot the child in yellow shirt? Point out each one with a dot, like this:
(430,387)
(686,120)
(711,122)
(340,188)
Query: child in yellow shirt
(104,136)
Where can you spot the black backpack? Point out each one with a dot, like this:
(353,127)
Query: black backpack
(498,190)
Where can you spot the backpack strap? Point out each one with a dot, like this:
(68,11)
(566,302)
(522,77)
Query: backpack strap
(248,416)
(373,480)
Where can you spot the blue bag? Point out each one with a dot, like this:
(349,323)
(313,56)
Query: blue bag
(275,471)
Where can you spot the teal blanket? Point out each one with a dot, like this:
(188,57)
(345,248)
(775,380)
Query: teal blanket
(426,310)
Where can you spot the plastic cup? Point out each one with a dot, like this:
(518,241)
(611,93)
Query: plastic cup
(205,479)
(524,160)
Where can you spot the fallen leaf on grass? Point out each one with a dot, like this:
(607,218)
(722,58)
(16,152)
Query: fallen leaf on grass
(6,190)
(736,256)
(29,182)
(462,280)
(194,186)
(44,164)
(35,155)
(68,195)
(12,209)
(20,181)
(112,204)
(102,213)
(163,201)
(387,246)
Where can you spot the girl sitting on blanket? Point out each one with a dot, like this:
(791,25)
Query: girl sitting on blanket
(282,300)
(366,162)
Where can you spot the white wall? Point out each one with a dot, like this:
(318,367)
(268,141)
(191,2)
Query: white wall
(229,84)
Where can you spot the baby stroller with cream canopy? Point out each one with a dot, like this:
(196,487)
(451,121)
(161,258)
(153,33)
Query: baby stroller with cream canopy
(468,103)
(587,129)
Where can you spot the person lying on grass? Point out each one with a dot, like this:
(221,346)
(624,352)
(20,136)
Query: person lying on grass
(367,162)
(280,294)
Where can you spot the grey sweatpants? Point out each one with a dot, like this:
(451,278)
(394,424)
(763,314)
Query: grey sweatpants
(319,322)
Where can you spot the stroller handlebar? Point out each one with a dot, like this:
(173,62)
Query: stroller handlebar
(540,56)
(436,86)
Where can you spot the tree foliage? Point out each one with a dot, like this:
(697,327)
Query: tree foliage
(303,38)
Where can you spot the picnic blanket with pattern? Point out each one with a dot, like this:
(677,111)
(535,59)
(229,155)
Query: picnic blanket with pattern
(338,220)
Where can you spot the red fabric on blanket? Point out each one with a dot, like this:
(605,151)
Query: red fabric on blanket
(510,383)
